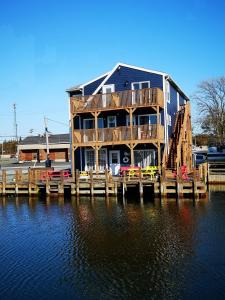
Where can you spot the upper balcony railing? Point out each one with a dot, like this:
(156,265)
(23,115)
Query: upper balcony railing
(117,100)
(118,135)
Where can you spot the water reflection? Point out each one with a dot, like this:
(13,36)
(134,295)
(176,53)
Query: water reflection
(107,248)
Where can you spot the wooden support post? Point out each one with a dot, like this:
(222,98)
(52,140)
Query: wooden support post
(195,187)
(124,185)
(106,182)
(96,159)
(73,189)
(95,114)
(159,155)
(60,188)
(73,162)
(131,123)
(140,185)
(132,154)
(47,187)
(62,177)
(178,188)
(115,188)
(16,182)
(91,183)
(4,179)
(77,183)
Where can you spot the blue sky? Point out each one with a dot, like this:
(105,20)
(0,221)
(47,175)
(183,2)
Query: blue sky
(47,46)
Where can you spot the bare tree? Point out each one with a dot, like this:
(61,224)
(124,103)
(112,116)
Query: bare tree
(210,98)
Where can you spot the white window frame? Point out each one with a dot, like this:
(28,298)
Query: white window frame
(149,115)
(112,86)
(104,96)
(94,122)
(139,82)
(108,121)
(102,168)
(143,163)
(133,89)
(86,168)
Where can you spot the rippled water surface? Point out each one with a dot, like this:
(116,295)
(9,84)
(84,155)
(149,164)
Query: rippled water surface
(56,249)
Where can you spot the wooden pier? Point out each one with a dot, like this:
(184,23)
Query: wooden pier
(35,181)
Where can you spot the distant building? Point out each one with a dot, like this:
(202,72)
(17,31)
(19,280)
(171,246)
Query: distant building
(33,148)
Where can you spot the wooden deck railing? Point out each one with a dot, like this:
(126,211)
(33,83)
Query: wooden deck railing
(117,100)
(119,134)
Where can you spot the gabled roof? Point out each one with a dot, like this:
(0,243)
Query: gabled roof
(79,87)
(109,74)
(127,66)
(40,139)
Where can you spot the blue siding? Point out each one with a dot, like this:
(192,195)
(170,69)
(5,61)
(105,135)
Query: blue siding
(172,108)
(90,88)
(181,100)
(77,159)
(123,77)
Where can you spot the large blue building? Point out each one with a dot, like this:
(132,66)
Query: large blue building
(124,117)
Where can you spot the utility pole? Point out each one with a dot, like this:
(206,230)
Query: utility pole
(46,135)
(15,122)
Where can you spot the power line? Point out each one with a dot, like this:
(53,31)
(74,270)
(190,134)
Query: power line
(58,122)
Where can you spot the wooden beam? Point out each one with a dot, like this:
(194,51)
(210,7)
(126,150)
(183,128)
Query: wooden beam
(73,146)
(96,159)
(159,155)
(132,154)
(96,139)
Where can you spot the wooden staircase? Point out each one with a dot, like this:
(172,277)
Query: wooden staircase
(180,143)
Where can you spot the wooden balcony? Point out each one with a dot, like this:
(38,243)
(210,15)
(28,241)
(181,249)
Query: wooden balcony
(119,135)
(117,100)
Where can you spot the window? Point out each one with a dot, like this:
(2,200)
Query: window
(138,95)
(147,119)
(144,158)
(89,159)
(140,85)
(107,91)
(111,120)
(102,159)
(128,120)
(100,123)
(88,123)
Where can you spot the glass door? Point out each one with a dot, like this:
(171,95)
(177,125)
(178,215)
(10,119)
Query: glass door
(107,91)
(89,159)
(138,95)
(114,161)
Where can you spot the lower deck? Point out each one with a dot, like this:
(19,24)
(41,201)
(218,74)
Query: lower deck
(116,156)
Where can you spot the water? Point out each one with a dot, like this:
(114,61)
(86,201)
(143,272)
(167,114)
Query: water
(112,250)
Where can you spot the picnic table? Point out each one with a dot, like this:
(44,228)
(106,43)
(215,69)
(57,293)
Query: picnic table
(53,174)
(129,169)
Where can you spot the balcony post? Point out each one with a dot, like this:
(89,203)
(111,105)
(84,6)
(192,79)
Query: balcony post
(158,120)
(159,155)
(96,141)
(131,123)
(72,145)
(132,154)
(96,159)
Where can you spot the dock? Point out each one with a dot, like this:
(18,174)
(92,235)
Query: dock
(34,182)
